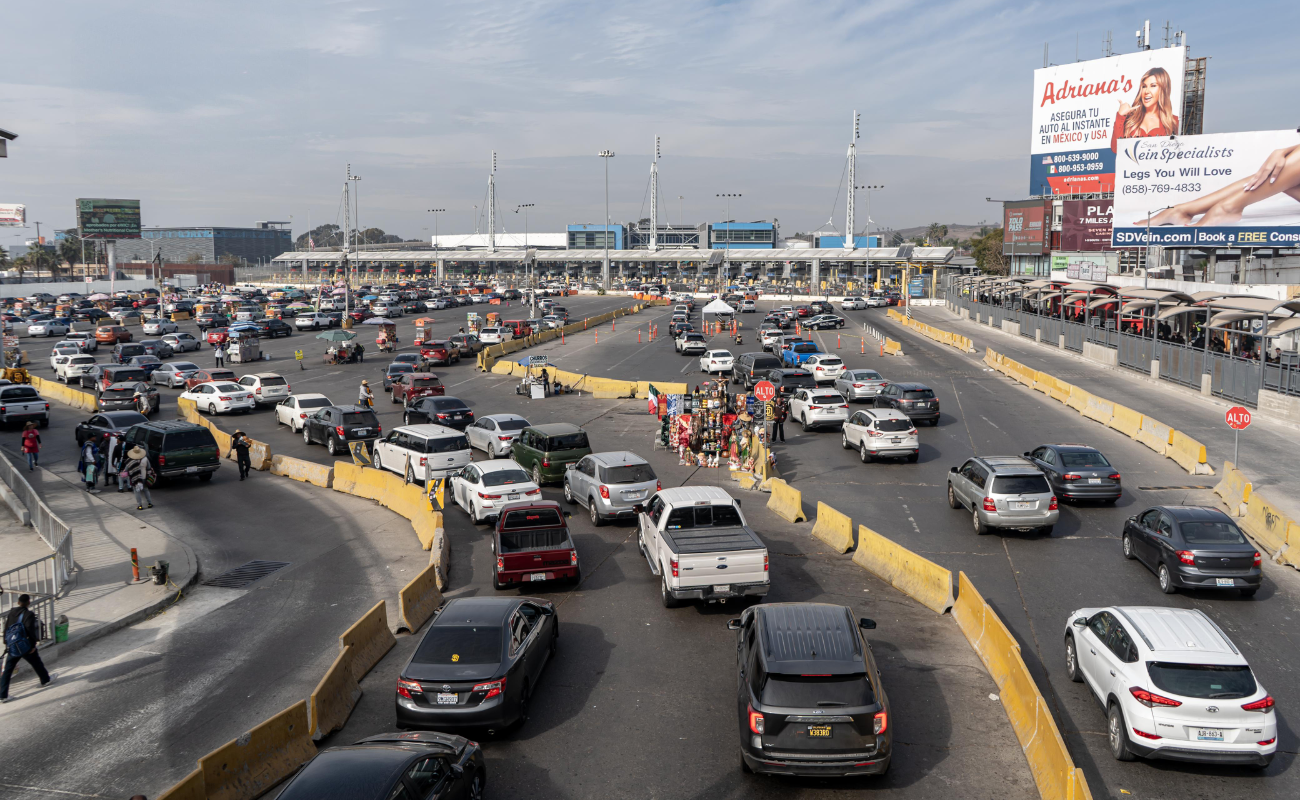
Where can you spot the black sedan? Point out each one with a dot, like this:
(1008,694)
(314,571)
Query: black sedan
(449,411)
(127,395)
(116,422)
(405,766)
(478,665)
(1077,472)
(1193,547)
(916,400)
(273,328)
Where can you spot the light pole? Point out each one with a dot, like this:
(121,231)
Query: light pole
(726,251)
(435,212)
(679,210)
(525,207)
(606,155)
(866,275)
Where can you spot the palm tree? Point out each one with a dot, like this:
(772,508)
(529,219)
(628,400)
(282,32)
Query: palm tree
(4,258)
(70,250)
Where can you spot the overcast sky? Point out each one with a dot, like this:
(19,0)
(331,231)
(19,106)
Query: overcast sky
(225,113)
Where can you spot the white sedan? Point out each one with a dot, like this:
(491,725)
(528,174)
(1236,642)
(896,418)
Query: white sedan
(62,350)
(293,410)
(48,327)
(484,487)
(157,327)
(220,397)
(716,361)
(815,408)
(182,342)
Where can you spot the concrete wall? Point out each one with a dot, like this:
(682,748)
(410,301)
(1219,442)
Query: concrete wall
(56,289)
(1279,406)
(1101,354)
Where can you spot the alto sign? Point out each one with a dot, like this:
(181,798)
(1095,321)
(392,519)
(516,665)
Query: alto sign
(764,391)
(1238,418)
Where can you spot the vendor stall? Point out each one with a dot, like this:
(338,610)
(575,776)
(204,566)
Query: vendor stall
(244,349)
(710,427)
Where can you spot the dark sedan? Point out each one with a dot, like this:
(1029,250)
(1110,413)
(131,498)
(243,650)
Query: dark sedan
(394,371)
(394,766)
(916,400)
(138,395)
(210,320)
(1077,472)
(478,664)
(467,343)
(273,328)
(115,422)
(449,411)
(789,381)
(825,322)
(1193,547)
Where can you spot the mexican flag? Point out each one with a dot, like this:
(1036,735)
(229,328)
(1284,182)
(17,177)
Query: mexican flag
(652,400)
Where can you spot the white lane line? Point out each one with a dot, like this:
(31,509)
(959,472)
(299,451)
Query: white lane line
(318,377)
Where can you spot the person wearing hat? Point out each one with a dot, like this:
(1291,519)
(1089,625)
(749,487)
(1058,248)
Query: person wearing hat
(365,396)
(239,443)
(138,473)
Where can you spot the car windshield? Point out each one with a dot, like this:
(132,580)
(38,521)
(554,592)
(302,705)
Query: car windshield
(703,517)
(1202,532)
(446,444)
(1208,681)
(1084,460)
(362,419)
(505,477)
(1020,484)
(188,440)
(866,375)
(893,425)
(827,400)
(460,645)
(567,441)
(512,424)
(129,375)
(813,691)
(627,473)
(918,394)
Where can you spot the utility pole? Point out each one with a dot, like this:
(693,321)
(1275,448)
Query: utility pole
(654,199)
(853,153)
(604,279)
(866,275)
(529,266)
(492,205)
(726,251)
(437,267)
(679,210)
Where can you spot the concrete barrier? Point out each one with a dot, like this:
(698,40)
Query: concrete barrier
(919,578)
(786,501)
(305,471)
(334,697)
(1234,489)
(833,528)
(1125,420)
(1078,399)
(1266,523)
(346,475)
(1061,391)
(1043,382)
(370,638)
(1188,453)
(247,767)
(1099,409)
(893,348)
(53,390)
(1155,435)
(418,600)
(1031,719)
(191,787)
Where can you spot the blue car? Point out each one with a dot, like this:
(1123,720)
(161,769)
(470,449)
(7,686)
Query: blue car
(798,353)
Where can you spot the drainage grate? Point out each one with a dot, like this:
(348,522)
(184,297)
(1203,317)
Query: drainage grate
(240,577)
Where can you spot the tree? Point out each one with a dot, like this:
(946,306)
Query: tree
(936,232)
(4,258)
(987,250)
(70,249)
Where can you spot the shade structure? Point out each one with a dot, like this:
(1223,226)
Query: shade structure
(337,336)
(718,307)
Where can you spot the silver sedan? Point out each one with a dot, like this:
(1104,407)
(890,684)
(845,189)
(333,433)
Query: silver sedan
(860,384)
(495,434)
(174,373)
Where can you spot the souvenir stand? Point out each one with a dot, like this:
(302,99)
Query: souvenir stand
(711,428)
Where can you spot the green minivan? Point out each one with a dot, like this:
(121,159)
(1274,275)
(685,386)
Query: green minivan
(176,448)
(544,450)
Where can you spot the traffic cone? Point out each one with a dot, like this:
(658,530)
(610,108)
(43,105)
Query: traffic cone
(561,335)
(864,345)
(837,341)
(638,336)
(612,323)
(597,338)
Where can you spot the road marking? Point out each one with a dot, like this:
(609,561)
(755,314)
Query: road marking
(317,377)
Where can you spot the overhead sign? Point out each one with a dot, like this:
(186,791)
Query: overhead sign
(1085,224)
(99,218)
(1081,110)
(1238,418)
(12,215)
(1213,190)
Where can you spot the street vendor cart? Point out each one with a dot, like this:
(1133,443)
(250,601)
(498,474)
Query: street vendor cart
(244,350)
(386,338)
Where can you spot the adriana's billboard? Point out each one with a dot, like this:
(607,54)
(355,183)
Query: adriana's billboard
(1082,110)
(1212,190)
(100,218)
(1085,224)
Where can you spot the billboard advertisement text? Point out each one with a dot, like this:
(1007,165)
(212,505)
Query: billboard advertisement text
(1085,224)
(1024,227)
(1213,190)
(1081,110)
(13,215)
(1086,266)
(108,219)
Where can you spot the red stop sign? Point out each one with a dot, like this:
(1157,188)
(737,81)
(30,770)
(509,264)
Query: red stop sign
(764,391)
(1238,418)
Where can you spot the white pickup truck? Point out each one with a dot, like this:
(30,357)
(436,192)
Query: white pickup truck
(20,403)
(696,540)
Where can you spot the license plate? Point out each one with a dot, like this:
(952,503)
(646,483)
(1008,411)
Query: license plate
(537,576)
(1094,480)
(191,470)
(1021,506)
(724,588)
(512,497)
(361,432)
(1223,582)
(1208,735)
(896,441)
(447,698)
(459,416)
(819,731)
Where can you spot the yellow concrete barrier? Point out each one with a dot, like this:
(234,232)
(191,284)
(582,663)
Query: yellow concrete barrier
(305,471)
(1155,435)
(982,627)
(1044,749)
(1043,382)
(1266,523)
(180,316)
(248,766)
(1188,453)
(369,638)
(1061,391)
(893,348)
(1078,399)
(419,599)
(346,475)
(191,787)
(1099,409)
(991,358)
(833,528)
(919,578)
(1234,489)
(786,502)
(1126,421)
(334,697)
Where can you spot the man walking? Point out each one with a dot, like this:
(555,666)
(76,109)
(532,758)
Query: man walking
(138,472)
(780,410)
(239,442)
(220,354)
(21,636)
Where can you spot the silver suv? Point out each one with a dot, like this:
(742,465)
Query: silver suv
(610,485)
(1003,492)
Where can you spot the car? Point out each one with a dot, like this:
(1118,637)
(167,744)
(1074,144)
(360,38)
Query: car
(21,403)
(395,370)
(173,374)
(146,363)
(691,343)
(853,303)
(825,322)
(73,367)
(531,540)
(438,352)
(205,375)
(485,488)
(108,422)
(217,336)
(126,316)
(450,412)
(916,400)
(816,408)
(408,358)
(312,322)
(157,327)
(877,301)
(394,766)
(220,397)
(176,449)
(1077,472)
(748,307)
(112,334)
(495,434)
(802,312)
(267,387)
(182,342)
(86,341)
(156,347)
(834,723)
(130,395)
(610,485)
(422,452)
(91,315)
(882,433)
(545,450)
(478,664)
(467,343)
(61,351)
(788,381)
(122,353)
(409,387)
(1192,547)
(716,361)
(336,426)
(210,319)
(1003,492)
(825,367)
(273,328)
(859,384)
(100,376)
(381,308)
(771,339)
(495,335)
(747,368)
(292,410)
(1172,684)
(49,327)
(798,352)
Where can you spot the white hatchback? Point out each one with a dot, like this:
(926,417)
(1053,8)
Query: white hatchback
(267,387)
(716,361)
(495,335)
(222,397)
(825,368)
(816,408)
(882,433)
(292,410)
(484,487)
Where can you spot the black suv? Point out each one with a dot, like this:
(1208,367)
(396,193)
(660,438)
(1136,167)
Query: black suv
(335,426)
(177,448)
(748,368)
(210,319)
(272,328)
(789,381)
(809,698)
(123,353)
(916,400)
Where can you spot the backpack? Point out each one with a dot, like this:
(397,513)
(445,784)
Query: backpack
(17,642)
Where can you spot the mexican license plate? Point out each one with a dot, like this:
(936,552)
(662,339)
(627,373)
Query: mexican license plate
(819,731)
(1223,582)
(446,698)
(361,432)
(1094,480)
(512,497)
(1018,505)
(896,441)
(723,588)
(1209,735)
(537,576)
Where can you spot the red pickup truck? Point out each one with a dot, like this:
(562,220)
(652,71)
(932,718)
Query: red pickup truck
(413,385)
(531,543)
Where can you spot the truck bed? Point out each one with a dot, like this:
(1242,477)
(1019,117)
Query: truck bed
(689,541)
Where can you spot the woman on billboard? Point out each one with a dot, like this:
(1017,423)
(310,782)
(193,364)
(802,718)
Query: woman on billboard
(1279,174)
(1151,113)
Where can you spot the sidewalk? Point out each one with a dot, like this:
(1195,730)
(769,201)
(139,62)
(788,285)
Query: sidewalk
(1268,448)
(101,597)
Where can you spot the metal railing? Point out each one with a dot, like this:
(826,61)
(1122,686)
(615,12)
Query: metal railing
(46,577)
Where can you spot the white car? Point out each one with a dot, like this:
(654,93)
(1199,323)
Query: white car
(495,434)
(313,322)
(48,327)
(495,335)
(825,367)
(267,387)
(748,307)
(86,341)
(182,342)
(853,304)
(294,409)
(1173,685)
(155,327)
(816,408)
(877,301)
(484,487)
(881,433)
(220,397)
(770,337)
(421,452)
(173,374)
(381,308)
(62,350)
(716,361)
(72,367)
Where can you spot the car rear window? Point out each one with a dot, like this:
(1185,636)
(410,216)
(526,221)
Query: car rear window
(801,380)
(1202,680)
(829,361)
(827,400)
(866,375)
(126,391)
(446,444)
(1084,460)
(918,394)
(568,441)
(804,347)
(1211,533)
(189,440)
(512,424)
(505,477)
(817,691)
(422,382)
(532,518)
(274,380)
(766,362)
(399,367)
(460,645)
(893,425)
(1020,484)
(362,419)
(20,393)
(447,404)
(129,375)
(703,517)
(627,473)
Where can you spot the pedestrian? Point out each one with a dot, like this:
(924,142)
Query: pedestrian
(31,445)
(138,473)
(239,443)
(89,463)
(365,397)
(220,354)
(779,412)
(21,635)
(546,382)
(361,352)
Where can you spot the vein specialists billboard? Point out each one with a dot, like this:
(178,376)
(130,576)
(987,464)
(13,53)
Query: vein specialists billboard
(1214,190)
(1081,111)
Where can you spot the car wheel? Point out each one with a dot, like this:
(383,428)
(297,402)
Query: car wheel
(844,441)
(331,444)
(476,787)
(306,434)
(1127,545)
(1166,580)
(863,454)
(596,521)
(212,409)
(804,421)
(537,475)
(1072,661)
(1117,734)
(393,398)
(665,596)
(524,699)
(980,527)
(410,474)
(568,494)
(376,461)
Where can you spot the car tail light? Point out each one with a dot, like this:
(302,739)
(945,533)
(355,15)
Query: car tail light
(1145,735)
(765,562)
(546,463)
(501,564)
(1187,557)
(162,460)
(302,415)
(756,721)
(503,438)
(989,505)
(339,430)
(859,386)
(659,487)
(258,390)
(405,687)
(673,564)
(1150,699)
(874,433)
(1257,558)
(1070,476)
(911,432)
(604,492)
(489,496)
(1268,741)
(424,461)
(492,688)
(532,492)
(573,558)
(1053,506)
(880,722)
(1265,705)
(1114,476)
(379,429)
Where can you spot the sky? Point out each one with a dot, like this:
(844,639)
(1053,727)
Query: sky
(233,112)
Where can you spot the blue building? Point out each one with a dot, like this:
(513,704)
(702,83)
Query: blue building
(205,245)
(594,237)
(838,241)
(740,235)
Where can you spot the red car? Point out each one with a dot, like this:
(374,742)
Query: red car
(359,316)
(802,311)
(439,352)
(205,375)
(531,542)
(218,335)
(413,385)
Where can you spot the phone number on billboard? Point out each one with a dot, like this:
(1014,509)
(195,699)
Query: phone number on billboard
(1076,157)
(1161,188)
(1088,167)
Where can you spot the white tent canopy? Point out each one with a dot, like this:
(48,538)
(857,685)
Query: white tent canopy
(719,307)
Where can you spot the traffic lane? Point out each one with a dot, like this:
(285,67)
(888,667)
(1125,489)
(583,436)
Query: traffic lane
(639,685)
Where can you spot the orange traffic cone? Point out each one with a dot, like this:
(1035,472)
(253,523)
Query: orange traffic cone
(864,345)
(837,341)
(638,336)
(597,338)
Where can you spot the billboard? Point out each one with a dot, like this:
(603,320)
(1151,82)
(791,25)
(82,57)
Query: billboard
(1213,190)
(1086,266)
(1081,111)
(108,219)
(1085,224)
(1024,227)
(13,215)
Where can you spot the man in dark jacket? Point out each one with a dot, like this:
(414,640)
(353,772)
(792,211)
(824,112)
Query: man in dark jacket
(21,645)
(240,443)
(780,410)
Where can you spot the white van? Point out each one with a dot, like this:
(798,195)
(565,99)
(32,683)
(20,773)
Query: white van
(421,452)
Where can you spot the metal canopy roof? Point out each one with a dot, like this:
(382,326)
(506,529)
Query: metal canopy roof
(1162,295)
(1256,305)
(936,255)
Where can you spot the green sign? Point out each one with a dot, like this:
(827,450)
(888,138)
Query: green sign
(108,219)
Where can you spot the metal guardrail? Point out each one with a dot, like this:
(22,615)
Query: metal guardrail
(45,578)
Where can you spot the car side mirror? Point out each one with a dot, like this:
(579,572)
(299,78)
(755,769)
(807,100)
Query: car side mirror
(867,624)
(548,611)
(569,466)
(639,509)
(1026,454)
(733,624)
(457,770)
(1079,622)
(952,469)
